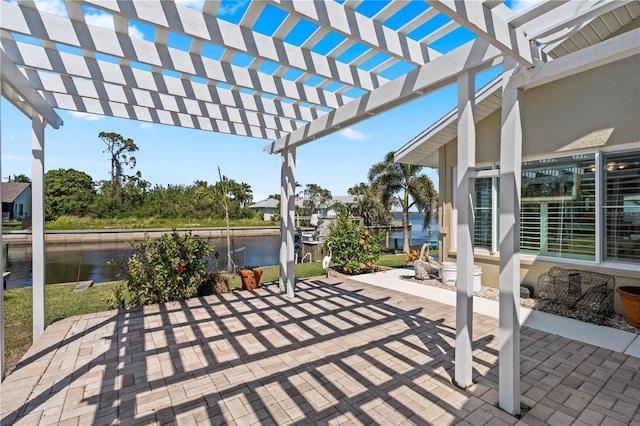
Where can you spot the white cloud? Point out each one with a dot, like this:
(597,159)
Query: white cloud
(12,158)
(55,7)
(105,20)
(135,32)
(85,116)
(519,5)
(98,19)
(145,126)
(354,135)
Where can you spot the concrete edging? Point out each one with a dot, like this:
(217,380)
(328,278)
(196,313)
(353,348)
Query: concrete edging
(604,337)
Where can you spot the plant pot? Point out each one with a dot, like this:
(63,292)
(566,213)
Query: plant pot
(630,298)
(247,279)
(257,274)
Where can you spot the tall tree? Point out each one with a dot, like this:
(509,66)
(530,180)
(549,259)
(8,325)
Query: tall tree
(242,193)
(221,194)
(315,197)
(369,205)
(120,150)
(67,192)
(403,185)
(20,178)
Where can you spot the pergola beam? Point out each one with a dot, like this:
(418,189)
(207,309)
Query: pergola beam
(488,24)
(18,90)
(430,77)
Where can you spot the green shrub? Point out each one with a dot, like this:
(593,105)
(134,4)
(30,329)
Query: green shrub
(215,282)
(170,268)
(353,248)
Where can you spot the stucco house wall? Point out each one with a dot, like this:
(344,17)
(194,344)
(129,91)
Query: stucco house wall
(593,110)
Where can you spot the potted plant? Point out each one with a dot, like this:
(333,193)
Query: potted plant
(250,277)
(630,298)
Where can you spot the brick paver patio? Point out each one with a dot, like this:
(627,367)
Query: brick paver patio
(342,352)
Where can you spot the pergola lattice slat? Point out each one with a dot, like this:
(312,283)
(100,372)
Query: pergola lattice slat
(368,31)
(40,60)
(103,41)
(16,85)
(235,38)
(489,25)
(436,74)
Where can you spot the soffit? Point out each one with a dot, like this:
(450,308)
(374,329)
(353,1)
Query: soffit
(568,36)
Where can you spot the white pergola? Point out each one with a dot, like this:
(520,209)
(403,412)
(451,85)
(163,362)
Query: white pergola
(293,71)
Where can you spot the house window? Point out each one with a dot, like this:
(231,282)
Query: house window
(621,207)
(557,216)
(483,213)
(561,215)
(20,210)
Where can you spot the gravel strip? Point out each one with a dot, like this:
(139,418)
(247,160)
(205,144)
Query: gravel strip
(614,321)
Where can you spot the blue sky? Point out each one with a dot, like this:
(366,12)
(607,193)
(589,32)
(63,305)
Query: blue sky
(169,155)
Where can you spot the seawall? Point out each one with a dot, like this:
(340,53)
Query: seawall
(117,235)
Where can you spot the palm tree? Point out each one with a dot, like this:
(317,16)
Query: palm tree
(218,194)
(403,185)
(369,205)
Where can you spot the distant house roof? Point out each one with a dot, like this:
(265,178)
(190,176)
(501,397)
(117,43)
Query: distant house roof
(269,203)
(12,190)
(272,203)
(344,199)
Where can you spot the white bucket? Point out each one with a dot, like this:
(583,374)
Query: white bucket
(450,273)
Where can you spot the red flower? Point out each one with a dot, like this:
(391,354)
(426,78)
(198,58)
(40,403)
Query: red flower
(180,270)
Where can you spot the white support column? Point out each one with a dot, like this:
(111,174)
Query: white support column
(37,214)
(1,288)
(287,224)
(510,180)
(284,205)
(464,230)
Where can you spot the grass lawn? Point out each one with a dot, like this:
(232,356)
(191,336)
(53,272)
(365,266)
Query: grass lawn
(12,226)
(62,302)
(64,223)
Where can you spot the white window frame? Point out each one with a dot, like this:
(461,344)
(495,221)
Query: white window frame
(599,219)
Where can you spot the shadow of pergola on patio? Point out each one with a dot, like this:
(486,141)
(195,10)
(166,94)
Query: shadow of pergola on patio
(341,352)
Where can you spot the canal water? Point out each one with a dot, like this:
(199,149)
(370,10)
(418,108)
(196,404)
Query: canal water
(418,236)
(104,262)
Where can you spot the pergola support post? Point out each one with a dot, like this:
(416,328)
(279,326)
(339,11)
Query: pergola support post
(287,221)
(464,228)
(1,288)
(37,214)
(510,181)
